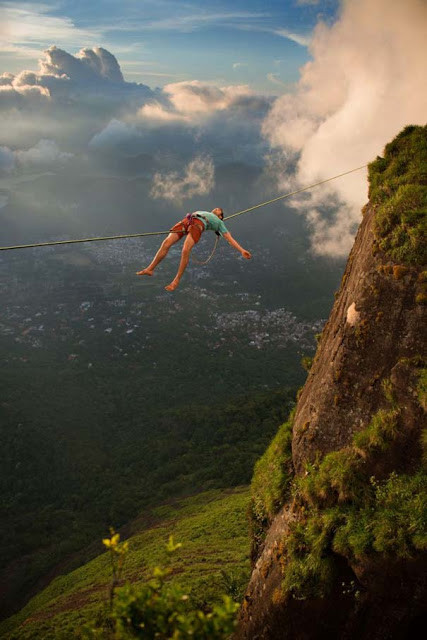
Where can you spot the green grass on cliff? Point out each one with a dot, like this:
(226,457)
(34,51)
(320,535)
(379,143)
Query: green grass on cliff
(343,510)
(398,188)
(213,560)
(347,511)
(272,475)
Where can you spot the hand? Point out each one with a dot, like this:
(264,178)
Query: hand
(246,254)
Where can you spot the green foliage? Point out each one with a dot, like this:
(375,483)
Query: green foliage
(393,521)
(389,518)
(270,482)
(309,568)
(158,610)
(62,485)
(336,478)
(380,432)
(343,511)
(234,583)
(118,552)
(152,611)
(307,362)
(398,189)
(213,530)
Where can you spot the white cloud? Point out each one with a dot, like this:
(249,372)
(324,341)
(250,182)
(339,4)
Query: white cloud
(239,65)
(299,38)
(87,65)
(197,179)
(116,132)
(193,21)
(92,77)
(191,100)
(45,153)
(26,24)
(196,97)
(158,113)
(366,81)
(16,96)
(82,100)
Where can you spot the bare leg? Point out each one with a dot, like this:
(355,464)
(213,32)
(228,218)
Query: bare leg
(162,253)
(185,256)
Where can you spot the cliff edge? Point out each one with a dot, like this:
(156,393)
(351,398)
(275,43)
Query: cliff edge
(339,500)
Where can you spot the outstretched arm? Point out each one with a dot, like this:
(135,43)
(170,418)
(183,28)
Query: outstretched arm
(236,245)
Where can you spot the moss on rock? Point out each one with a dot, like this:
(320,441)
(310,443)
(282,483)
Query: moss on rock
(345,510)
(270,482)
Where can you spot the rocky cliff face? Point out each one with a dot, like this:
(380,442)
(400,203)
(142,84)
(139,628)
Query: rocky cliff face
(340,534)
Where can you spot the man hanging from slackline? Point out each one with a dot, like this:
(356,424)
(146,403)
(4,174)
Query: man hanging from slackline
(192,226)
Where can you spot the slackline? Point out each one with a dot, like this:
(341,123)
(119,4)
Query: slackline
(159,233)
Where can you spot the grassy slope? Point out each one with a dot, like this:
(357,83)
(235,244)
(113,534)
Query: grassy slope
(212,528)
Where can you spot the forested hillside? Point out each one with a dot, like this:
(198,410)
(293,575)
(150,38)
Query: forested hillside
(93,426)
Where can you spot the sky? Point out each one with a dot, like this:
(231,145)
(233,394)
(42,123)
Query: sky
(258,42)
(138,106)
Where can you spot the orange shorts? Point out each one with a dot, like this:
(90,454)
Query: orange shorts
(194,227)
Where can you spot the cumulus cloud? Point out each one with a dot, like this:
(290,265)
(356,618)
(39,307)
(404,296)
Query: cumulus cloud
(45,153)
(62,76)
(197,179)
(365,82)
(192,101)
(86,66)
(82,100)
(21,90)
(116,132)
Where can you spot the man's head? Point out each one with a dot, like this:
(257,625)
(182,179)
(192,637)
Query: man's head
(218,212)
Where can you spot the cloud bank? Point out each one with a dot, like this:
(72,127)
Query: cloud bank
(194,102)
(366,81)
(90,150)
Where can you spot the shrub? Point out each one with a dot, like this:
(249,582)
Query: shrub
(158,610)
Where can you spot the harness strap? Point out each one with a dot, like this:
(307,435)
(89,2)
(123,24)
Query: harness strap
(197,216)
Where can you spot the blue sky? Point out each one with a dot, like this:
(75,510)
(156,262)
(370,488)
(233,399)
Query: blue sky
(255,42)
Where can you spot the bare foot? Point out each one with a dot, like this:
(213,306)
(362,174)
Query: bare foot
(144,272)
(172,286)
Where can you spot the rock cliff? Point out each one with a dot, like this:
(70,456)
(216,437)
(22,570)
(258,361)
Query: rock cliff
(339,501)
